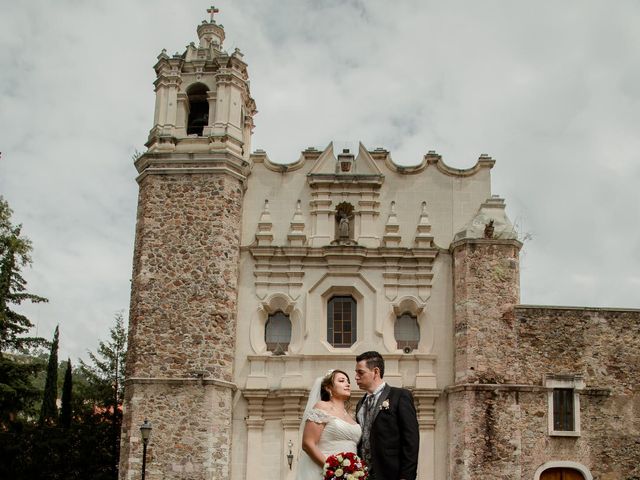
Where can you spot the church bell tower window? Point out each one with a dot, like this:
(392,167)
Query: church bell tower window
(198,109)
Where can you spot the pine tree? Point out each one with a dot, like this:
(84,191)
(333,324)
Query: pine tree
(105,377)
(49,411)
(106,373)
(14,254)
(65,408)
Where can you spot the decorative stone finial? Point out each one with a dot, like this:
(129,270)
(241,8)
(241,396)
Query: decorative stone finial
(264,235)
(296,235)
(424,238)
(392,236)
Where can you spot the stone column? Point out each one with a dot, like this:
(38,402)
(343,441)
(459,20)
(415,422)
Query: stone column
(426,410)
(290,429)
(182,325)
(486,290)
(255,425)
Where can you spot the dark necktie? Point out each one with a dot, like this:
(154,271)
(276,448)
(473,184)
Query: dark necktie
(368,407)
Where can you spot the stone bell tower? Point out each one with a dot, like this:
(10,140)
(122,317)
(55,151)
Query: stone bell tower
(182,323)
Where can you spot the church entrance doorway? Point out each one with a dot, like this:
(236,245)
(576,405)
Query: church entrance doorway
(561,474)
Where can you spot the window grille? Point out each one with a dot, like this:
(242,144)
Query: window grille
(341,321)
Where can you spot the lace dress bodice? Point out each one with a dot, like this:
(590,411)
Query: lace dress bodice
(338,436)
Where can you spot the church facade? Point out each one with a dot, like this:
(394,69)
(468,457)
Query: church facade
(252,278)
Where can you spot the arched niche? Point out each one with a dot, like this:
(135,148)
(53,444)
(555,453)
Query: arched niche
(416,308)
(277,302)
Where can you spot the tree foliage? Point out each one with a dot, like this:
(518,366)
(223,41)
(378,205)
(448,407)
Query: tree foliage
(49,409)
(105,373)
(65,407)
(84,443)
(17,392)
(14,254)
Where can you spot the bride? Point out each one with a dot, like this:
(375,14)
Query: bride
(327,428)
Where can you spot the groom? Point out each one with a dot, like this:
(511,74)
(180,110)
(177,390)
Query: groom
(390,437)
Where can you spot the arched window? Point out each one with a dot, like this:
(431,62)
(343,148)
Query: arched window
(407,331)
(198,109)
(341,321)
(277,332)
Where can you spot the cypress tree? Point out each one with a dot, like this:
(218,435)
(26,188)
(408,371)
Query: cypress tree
(65,408)
(49,411)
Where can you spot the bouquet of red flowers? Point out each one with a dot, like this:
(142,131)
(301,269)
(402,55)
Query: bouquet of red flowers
(344,466)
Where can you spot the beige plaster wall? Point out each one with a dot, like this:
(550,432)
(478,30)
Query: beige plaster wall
(452,201)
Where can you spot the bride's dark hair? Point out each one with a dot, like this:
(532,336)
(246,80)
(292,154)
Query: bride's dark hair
(327,381)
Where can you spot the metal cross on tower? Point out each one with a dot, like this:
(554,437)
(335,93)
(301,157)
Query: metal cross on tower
(212,10)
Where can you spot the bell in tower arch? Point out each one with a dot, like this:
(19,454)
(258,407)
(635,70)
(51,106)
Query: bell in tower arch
(198,109)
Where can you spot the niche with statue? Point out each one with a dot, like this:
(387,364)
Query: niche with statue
(344,225)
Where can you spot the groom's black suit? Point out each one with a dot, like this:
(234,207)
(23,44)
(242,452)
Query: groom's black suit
(394,436)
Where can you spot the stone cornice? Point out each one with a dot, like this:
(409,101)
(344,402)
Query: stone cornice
(180,381)
(432,158)
(190,163)
(485,241)
(357,253)
(514,387)
(328,179)
(586,309)
(338,357)
(261,156)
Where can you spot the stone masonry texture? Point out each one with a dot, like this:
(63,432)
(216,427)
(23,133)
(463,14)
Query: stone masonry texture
(486,287)
(498,412)
(182,325)
(183,301)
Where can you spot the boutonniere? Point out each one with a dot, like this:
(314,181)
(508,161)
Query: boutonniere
(385,405)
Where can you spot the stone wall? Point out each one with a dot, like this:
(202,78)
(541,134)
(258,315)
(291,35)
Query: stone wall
(501,430)
(604,347)
(191,433)
(183,299)
(182,325)
(486,287)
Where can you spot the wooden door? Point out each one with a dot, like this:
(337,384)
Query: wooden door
(561,474)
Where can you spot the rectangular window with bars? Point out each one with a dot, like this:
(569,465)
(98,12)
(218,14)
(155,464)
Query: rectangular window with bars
(341,321)
(563,410)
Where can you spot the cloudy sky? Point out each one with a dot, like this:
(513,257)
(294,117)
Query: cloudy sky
(551,90)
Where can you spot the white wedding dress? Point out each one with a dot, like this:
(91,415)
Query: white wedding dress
(338,436)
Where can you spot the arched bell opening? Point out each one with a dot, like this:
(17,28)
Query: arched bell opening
(198,109)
